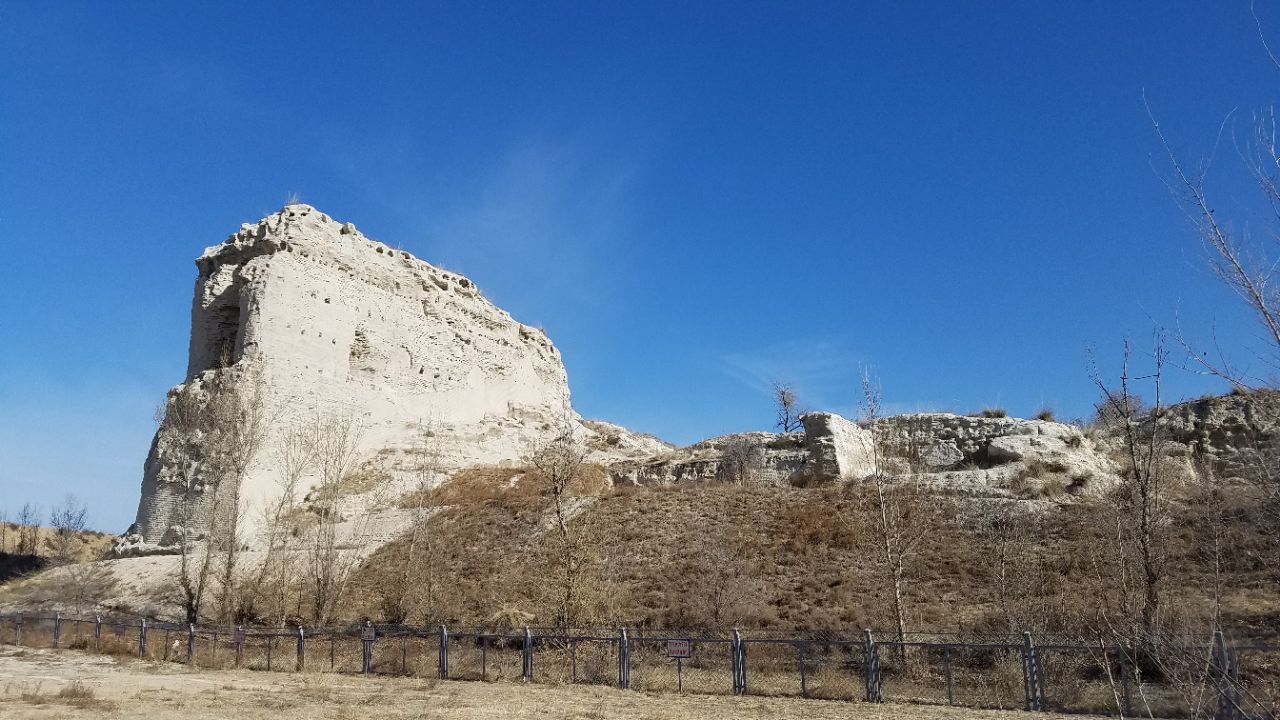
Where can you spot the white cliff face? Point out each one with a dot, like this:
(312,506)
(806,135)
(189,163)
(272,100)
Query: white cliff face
(340,324)
(952,453)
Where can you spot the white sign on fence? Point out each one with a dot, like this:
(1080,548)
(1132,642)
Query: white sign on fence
(679,649)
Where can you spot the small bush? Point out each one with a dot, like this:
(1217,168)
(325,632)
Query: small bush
(1046,414)
(993,412)
(77,695)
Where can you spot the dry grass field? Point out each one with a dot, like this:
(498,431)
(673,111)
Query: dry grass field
(44,684)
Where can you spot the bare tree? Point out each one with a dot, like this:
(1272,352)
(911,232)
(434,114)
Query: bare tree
(28,529)
(720,581)
(184,424)
(267,594)
(1243,264)
(741,460)
(336,441)
(1141,500)
(418,572)
(902,513)
(67,520)
(786,406)
(242,421)
(82,583)
(212,430)
(559,462)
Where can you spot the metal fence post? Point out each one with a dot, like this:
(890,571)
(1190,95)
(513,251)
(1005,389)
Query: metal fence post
(1032,674)
(302,650)
(738,652)
(367,636)
(57,628)
(1224,674)
(624,660)
(946,661)
(142,639)
(1125,695)
(444,653)
(871,666)
(239,640)
(804,677)
(527,655)
(97,633)
(17,630)
(191,643)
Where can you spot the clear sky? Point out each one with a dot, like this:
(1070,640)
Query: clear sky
(692,198)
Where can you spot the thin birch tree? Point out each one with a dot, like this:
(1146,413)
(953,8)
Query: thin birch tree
(902,517)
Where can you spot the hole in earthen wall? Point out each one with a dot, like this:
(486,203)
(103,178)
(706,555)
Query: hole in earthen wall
(358,357)
(223,331)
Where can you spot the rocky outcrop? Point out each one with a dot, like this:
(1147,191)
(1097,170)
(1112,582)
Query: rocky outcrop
(337,323)
(334,323)
(739,458)
(932,442)
(837,448)
(830,449)
(1230,431)
(975,455)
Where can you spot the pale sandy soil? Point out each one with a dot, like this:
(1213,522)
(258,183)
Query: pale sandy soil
(48,684)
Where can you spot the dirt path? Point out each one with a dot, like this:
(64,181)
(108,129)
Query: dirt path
(48,684)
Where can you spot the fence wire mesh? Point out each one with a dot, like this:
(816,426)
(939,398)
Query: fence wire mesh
(708,669)
(587,660)
(1259,682)
(484,656)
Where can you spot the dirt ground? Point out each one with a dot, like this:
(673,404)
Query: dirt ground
(66,684)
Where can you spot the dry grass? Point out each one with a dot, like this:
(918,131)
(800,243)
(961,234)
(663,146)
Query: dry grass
(90,544)
(74,695)
(790,558)
(77,686)
(483,484)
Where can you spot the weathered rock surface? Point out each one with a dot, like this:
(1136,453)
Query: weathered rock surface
(831,448)
(337,323)
(974,455)
(838,449)
(1232,431)
(740,457)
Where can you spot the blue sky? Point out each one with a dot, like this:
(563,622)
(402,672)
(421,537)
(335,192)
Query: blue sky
(692,198)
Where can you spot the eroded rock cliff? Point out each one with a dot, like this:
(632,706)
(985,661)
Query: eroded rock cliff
(336,323)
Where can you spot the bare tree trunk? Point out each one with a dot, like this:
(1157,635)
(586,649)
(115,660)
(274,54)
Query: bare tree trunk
(1143,494)
(336,443)
(901,513)
(559,462)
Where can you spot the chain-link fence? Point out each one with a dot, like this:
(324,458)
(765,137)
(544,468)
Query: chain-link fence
(1217,679)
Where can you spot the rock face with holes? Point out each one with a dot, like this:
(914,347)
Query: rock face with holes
(830,449)
(337,323)
(953,453)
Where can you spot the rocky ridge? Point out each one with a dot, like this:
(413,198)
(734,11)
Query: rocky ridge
(337,323)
